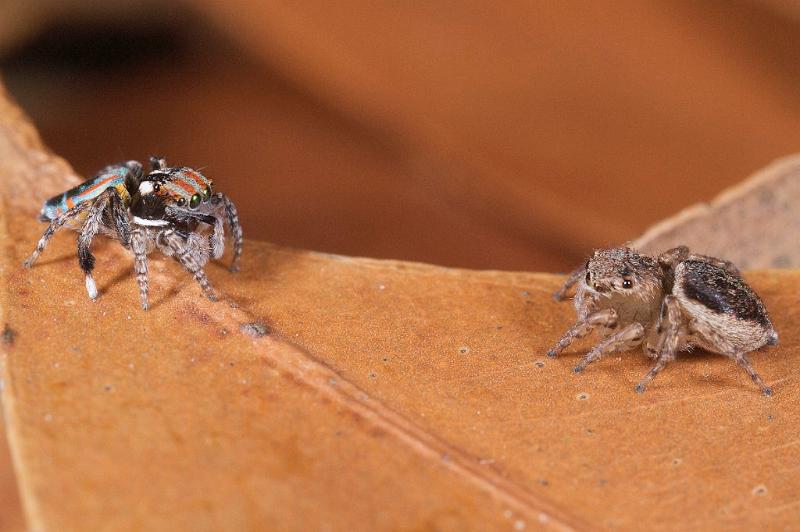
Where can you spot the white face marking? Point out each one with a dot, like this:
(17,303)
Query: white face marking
(146,187)
(152,223)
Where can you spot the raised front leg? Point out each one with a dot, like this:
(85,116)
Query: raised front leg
(54,226)
(236,230)
(602,318)
(628,338)
(574,277)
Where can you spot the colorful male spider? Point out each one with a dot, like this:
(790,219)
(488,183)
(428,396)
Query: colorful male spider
(163,209)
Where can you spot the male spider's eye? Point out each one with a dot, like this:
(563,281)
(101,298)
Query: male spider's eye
(627,283)
(195,201)
(206,193)
(181,202)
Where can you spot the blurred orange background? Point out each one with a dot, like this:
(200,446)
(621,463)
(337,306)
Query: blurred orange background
(514,135)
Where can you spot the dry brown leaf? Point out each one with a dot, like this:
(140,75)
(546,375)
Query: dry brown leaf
(386,395)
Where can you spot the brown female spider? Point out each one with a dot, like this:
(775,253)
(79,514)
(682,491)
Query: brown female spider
(667,304)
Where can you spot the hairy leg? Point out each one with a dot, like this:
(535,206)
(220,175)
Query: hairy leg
(602,318)
(628,338)
(573,278)
(54,226)
(672,257)
(725,347)
(671,336)
(109,198)
(192,253)
(236,229)
(139,248)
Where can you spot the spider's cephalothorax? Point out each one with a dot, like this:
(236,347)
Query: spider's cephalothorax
(164,209)
(666,304)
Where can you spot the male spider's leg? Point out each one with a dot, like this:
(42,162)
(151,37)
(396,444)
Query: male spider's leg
(625,339)
(119,213)
(574,277)
(236,230)
(157,163)
(54,226)
(90,228)
(669,340)
(606,318)
(139,248)
(191,254)
(744,362)
(217,238)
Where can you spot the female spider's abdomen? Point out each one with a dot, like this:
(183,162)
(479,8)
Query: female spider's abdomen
(724,304)
(119,176)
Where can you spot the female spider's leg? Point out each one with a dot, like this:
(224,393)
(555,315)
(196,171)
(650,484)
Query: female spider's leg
(54,226)
(606,318)
(623,340)
(673,256)
(669,340)
(139,248)
(744,362)
(574,277)
(660,363)
(726,347)
(236,230)
(192,254)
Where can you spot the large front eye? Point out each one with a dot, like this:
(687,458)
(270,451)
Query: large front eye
(194,202)
(627,283)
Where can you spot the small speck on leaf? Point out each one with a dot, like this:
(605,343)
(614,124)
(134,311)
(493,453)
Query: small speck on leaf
(583,396)
(255,329)
(463,350)
(761,489)
(9,335)
(539,364)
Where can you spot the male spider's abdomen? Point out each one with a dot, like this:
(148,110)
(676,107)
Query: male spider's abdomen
(112,176)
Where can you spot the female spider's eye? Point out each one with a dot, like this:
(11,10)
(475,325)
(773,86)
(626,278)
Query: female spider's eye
(194,202)
(206,193)
(627,283)
(181,202)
